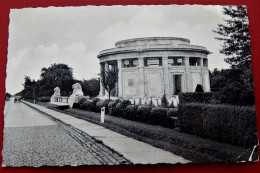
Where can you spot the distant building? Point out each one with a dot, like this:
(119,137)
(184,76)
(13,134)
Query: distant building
(148,67)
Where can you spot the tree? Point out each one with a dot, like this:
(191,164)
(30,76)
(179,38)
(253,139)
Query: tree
(90,87)
(236,46)
(164,101)
(57,75)
(29,91)
(236,41)
(109,79)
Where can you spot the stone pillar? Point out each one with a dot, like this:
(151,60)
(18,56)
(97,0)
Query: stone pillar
(202,74)
(106,69)
(101,91)
(141,76)
(188,75)
(119,83)
(165,74)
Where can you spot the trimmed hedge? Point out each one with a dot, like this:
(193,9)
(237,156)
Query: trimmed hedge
(197,97)
(159,116)
(223,123)
(172,112)
(144,114)
(43,99)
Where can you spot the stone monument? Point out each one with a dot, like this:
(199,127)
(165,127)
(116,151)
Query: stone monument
(77,92)
(54,97)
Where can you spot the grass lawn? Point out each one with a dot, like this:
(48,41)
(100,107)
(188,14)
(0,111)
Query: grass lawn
(188,146)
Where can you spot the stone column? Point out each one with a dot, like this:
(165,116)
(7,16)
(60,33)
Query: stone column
(202,74)
(119,83)
(106,69)
(188,75)
(141,76)
(165,74)
(101,91)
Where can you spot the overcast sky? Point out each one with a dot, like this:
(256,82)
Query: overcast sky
(39,37)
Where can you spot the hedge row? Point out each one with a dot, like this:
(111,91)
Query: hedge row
(223,123)
(145,114)
(124,109)
(197,97)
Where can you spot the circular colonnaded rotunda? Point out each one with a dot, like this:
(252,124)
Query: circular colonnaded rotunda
(150,67)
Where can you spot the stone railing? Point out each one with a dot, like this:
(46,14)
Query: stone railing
(62,99)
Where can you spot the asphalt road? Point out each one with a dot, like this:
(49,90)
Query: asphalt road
(33,139)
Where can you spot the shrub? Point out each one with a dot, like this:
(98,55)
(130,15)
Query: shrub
(88,106)
(81,100)
(116,111)
(123,104)
(172,112)
(103,103)
(143,113)
(164,101)
(112,104)
(95,100)
(159,117)
(156,115)
(223,123)
(130,112)
(199,88)
(196,97)
(43,99)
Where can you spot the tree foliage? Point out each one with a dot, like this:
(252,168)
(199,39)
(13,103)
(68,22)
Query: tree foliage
(109,79)
(90,87)
(235,37)
(236,41)
(228,87)
(235,85)
(57,75)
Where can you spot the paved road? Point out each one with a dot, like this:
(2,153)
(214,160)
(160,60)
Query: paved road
(32,139)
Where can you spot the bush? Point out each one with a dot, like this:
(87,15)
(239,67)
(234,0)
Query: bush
(199,88)
(43,99)
(172,112)
(88,106)
(164,102)
(123,104)
(197,97)
(95,100)
(223,123)
(130,112)
(116,112)
(237,94)
(143,113)
(103,103)
(159,116)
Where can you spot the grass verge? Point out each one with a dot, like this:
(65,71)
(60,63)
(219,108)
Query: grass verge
(188,146)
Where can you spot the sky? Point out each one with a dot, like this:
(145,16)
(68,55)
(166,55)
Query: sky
(39,37)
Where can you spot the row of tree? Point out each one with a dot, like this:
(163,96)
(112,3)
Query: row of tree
(57,75)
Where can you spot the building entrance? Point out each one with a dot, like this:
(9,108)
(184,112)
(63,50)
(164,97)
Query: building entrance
(176,84)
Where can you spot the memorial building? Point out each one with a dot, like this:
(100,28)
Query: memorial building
(150,67)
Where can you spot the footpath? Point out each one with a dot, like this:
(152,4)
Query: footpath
(135,151)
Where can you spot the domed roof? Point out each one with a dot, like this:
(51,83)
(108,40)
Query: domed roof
(151,41)
(147,44)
